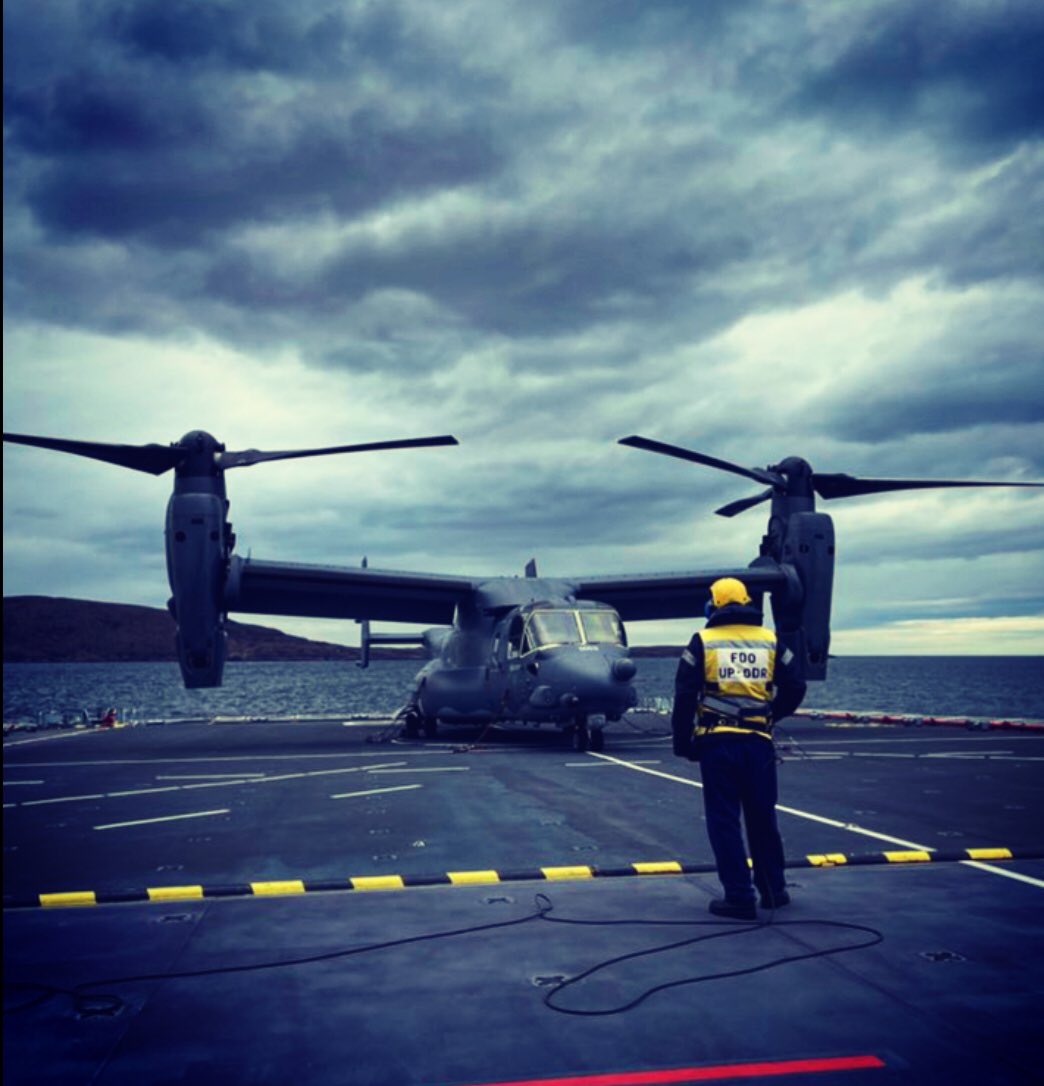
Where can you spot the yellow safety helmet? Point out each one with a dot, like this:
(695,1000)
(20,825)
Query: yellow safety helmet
(728,590)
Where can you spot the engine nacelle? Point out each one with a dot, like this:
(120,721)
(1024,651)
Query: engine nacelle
(196,559)
(803,621)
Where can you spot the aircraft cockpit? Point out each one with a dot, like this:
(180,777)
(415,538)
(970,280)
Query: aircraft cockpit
(548,627)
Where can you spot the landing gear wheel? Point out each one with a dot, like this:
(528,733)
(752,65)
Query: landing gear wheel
(581,735)
(597,740)
(411,725)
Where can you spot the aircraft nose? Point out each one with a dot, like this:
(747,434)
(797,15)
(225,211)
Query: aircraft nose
(590,680)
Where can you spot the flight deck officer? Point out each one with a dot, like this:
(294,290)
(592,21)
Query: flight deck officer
(729,689)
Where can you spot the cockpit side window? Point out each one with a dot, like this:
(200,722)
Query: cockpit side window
(514,646)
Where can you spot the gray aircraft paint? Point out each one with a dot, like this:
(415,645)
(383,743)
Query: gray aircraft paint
(484,666)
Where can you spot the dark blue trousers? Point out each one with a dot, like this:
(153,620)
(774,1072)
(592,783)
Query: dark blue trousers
(739,777)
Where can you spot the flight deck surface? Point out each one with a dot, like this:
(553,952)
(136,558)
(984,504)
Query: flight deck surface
(224,845)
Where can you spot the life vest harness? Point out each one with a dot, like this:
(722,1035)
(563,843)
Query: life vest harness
(718,715)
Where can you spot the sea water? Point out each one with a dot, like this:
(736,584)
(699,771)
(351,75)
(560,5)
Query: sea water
(974,686)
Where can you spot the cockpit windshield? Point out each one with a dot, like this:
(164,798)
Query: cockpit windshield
(553,628)
(561,627)
(603,627)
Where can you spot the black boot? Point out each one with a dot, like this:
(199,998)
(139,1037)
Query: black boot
(734,910)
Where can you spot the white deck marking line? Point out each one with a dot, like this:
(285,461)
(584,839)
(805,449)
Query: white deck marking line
(957,755)
(378,791)
(60,799)
(168,818)
(882,754)
(834,822)
(384,767)
(292,776)
(326,772)
(223,758)
(377,771)
(433,748)
(47,738)
(1001,871)
(203,776)
(302,775)
(222,783)
(595,765)
(643,769)
(12,784)
(144,791)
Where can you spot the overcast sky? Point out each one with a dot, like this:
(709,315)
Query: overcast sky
(757,229)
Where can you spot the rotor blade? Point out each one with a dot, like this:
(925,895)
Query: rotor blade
(743,504)
(254,456)
(757,474)
(848,486)
(153,459)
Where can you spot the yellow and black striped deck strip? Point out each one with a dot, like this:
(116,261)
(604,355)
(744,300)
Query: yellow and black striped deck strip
(489,877)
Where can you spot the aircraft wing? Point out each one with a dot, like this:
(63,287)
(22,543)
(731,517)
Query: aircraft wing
(287,588)
(670,595)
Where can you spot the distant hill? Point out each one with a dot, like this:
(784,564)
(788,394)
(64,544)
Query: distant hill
(45,629)
(51,629)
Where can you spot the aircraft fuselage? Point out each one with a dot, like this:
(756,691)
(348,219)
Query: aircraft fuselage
(524,649)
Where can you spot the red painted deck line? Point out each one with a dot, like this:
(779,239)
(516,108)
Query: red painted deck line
(721,1073)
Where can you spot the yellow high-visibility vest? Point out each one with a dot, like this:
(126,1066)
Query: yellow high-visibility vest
(739,668)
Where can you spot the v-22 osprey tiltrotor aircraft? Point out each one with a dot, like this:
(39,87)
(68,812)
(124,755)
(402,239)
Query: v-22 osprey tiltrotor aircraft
(527,649)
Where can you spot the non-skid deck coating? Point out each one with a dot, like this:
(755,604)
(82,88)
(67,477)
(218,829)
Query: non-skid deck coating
(952,993)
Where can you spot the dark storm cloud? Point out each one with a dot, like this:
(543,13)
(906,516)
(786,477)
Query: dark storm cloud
(538,506)
(945,610)
(986,607)
(566,514)
(914,537)
(150,133)
(1001,239)
(161,130)
(482,515)
(969,73)
(90,113)
(175,201)
(175,125)
(999,382)
(1006,395)
(535,276)
(319,41)
(755,229)
(249,37)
